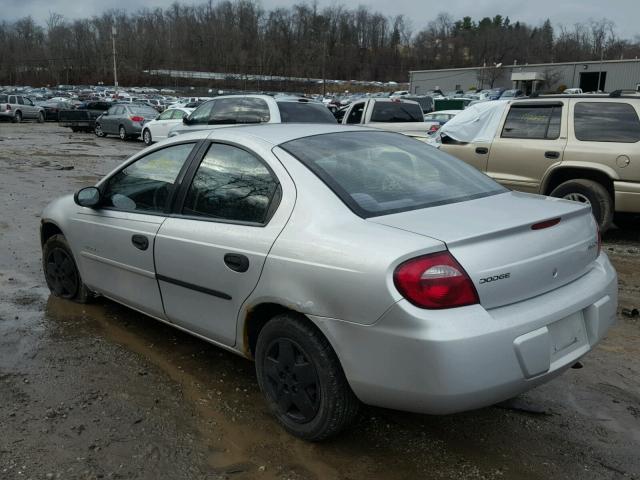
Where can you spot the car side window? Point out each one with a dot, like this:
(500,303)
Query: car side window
(231,184)
(177,114)
(12,100)
(355,115)
(606,122)
(147,184)
(27,101)
(165,115)
(200,116)
(239,110)
(20,101)
(533,122)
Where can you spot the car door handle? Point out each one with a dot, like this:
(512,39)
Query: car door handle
(236,262)
(482,150)
(551,154)
(140,242)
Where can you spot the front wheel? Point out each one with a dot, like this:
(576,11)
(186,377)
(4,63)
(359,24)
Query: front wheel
(589,193)
(17,118)
(302,379)
(98,131)
(146,137)
(41,117)
(60,271)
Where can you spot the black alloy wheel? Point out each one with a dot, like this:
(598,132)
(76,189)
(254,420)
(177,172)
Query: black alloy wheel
(292,380)
(61,273)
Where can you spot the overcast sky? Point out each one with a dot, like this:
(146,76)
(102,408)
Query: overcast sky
(624,13)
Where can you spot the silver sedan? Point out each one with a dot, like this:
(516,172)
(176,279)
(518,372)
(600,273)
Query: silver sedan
(352,265)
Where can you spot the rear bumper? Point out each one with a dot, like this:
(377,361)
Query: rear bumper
(448,361)
(7,114)
(627,196)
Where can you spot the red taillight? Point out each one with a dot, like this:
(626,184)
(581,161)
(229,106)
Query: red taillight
(8,107)
(434,128)
(137,119)
(435,281)
(545,224)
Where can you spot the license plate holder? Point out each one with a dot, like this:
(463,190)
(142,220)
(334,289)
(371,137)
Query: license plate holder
(566,337)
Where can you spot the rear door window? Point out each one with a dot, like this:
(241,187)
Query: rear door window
(231,184)
(533,122)
(606,122)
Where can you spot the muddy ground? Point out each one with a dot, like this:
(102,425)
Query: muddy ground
(99,391)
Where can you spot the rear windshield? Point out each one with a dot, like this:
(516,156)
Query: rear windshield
(379,173)
(143,110)
(303,112)
(3,99)
(397,112)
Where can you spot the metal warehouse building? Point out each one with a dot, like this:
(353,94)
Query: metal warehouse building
(611,74)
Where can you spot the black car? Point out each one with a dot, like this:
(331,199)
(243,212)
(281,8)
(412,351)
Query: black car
(52,109)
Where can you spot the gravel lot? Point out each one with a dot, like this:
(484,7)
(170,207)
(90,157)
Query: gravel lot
(99,391)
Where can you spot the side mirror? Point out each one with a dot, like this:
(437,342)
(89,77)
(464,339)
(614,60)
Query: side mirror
(186,120)
(88,197)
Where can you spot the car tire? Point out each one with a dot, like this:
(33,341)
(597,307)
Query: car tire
(146,137)
(98,131)
(40,117)
(17,118)
(61,272)
(289,349)
(122,133)
(589,191)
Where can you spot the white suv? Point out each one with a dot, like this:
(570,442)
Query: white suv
(251,109)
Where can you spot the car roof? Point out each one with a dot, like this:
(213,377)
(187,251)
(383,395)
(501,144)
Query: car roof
(448,112)
(271,133)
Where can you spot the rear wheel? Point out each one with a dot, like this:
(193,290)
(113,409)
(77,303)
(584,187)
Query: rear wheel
(98,131)
(60,271)
(146,136)
(302,380)
(590,193)
(122,133)
(17,118)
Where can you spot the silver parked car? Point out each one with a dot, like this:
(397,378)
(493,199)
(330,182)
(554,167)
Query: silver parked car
(18,108)
(124,120)
(351,264)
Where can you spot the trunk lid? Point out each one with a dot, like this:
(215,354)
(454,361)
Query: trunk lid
(492,238)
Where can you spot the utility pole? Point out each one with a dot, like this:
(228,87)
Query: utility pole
(115,68)
(600,69)
(324,61)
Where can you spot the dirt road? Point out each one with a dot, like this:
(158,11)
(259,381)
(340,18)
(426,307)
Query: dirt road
(99,391)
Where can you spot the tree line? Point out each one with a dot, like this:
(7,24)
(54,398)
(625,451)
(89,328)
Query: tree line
(239,36)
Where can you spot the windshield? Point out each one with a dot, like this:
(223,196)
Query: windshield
(397,112)
(379,173)
(303,112)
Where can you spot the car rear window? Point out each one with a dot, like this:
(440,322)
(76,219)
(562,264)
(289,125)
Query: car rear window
(606,122)
(379,173)
(396,112)
(143,110)
(304,112)
(3,99)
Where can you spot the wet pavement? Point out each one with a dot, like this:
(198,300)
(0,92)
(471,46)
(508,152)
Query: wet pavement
(100,391)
